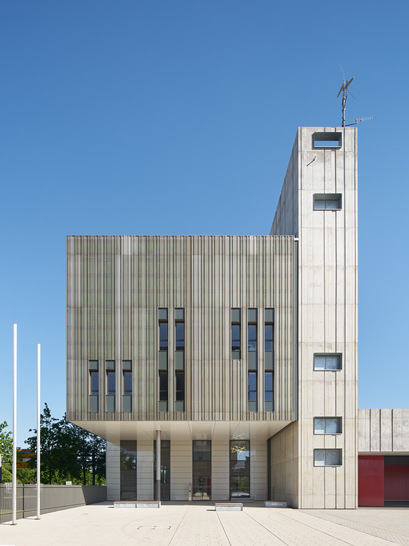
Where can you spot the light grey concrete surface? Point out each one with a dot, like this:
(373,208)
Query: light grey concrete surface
(180,524)
(383,431)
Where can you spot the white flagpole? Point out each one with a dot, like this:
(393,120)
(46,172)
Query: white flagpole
(38,429)
(14,469)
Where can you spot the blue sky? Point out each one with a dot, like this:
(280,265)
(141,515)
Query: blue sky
(112,114)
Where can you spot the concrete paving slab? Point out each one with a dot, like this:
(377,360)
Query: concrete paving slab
(180,524)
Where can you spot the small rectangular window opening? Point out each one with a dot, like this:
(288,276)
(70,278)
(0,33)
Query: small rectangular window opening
(327,362)
(327,425)
(327,201)
(327,140)
(327,457)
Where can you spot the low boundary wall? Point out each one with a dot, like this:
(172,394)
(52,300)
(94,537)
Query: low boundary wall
(53,498)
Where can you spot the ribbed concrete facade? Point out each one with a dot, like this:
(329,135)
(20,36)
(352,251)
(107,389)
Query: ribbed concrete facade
(318,204)
(116,285)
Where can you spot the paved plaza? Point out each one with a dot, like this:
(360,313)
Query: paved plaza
(191,524)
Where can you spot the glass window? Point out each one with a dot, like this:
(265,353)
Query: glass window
(252,387)
(239,469)
(128,469)
(252,337)
(180,386)
(202,470)
(94,382)
(327,457)
(110,382)
(127,382)
(180,336)
(163,386)
(327,201)
(268,385)
(163,336)
(327,362)
(235,337)
(327,425)
(268,337)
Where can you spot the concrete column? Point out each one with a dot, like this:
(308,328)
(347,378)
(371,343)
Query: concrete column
(157,473)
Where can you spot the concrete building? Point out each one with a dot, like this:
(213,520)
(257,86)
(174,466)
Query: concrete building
(225,367)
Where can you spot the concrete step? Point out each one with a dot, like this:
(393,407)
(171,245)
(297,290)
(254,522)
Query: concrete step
(275,504)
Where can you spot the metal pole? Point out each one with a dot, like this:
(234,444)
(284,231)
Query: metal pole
(38,430)
(14,469)
(157,481)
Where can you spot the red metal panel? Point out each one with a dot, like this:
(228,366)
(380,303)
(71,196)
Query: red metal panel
(397,482)
(370,480)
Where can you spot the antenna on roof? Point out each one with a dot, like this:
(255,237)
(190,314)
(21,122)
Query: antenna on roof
(344,89)
(358,120)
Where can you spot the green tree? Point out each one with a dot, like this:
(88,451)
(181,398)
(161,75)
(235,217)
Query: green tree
(6,442)
(68,452)
(6,451)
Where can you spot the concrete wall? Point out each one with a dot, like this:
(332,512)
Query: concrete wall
(284,465)
(258,469)
(52,498)
(180,469)
(328,305)
(383,431)
(113,472)
(144,470)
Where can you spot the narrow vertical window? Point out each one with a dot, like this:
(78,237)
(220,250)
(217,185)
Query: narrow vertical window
(127,385)
(163,359)
(94,383)
(268,391)
(163,390)
(269,338)
(180,335)
(110,385)
(180,390)
(235,334)
(93,399)
(252,337)
(163,336)
(269,360)
(252,391)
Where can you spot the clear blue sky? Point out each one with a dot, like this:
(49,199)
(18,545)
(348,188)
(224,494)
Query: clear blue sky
(115,112)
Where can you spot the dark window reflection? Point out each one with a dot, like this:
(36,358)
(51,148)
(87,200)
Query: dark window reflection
(202,470)
(128,469)
(239,468)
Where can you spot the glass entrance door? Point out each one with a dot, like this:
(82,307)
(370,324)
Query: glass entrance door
(202,470)
(239,469)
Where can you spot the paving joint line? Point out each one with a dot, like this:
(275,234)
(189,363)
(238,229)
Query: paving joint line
(321,531)
(267,529)
(221,523)
(372,530)
(177,527)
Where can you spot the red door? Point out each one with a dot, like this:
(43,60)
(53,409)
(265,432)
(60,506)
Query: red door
(370,480)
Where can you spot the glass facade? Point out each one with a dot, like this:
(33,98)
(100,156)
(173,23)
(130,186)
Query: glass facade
(128,469)
(202,470)
(239,469)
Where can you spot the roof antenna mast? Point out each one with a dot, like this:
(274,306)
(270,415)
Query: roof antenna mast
(344,89)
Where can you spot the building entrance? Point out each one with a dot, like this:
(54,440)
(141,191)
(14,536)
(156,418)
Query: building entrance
(202,470)
(239,469)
